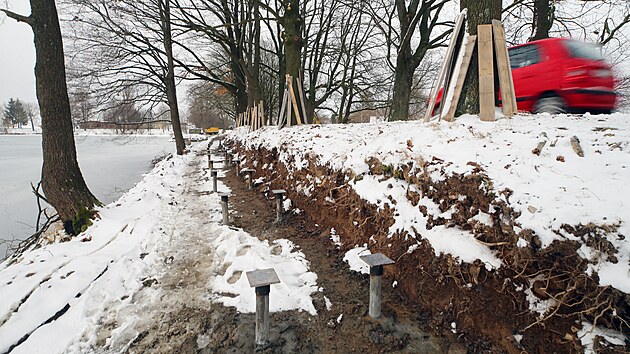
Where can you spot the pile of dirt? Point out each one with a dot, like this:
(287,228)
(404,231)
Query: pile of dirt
(485,310)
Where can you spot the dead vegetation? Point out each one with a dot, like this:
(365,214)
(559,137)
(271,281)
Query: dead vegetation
(487,307)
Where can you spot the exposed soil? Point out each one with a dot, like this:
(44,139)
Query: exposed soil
(184,320)
(486,308)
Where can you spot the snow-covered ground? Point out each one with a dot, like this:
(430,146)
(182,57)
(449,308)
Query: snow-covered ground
(554,188)
(549,189)
(59,297)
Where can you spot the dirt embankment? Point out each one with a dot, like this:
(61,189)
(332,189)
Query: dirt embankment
(485,310)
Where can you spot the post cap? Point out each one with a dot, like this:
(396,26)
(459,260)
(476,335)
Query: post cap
(214,172)
(262,277)
(248,170)
(224,195)
(278,191)
(376,259)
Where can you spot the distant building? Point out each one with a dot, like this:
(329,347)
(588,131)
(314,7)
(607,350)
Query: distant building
(368,116)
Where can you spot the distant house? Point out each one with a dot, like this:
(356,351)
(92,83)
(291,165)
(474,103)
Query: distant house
(368,116)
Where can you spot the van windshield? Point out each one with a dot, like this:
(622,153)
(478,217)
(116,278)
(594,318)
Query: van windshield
(584,50)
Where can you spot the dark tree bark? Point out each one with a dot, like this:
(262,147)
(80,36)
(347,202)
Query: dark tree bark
(293,43)
(543,19)
(169,79)
(62,181)
(419,16)
(479,12)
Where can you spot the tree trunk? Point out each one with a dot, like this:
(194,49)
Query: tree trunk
(169,80)
(62,181)
(403,81)
(543,19)
(479,12)
(293,43)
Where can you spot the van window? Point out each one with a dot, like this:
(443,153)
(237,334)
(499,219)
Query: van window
(524,56)
(584,50)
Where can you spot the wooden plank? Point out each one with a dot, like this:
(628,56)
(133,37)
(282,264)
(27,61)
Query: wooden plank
(281,116)
(296,110)
(286,85)
(445,65)
(262,113)
(459,84)
(302,97)
(486,73)
(506,84)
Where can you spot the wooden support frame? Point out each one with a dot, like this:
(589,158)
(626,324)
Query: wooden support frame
(506,82)
(302,97)
(282,115)
(445,66)
(296,109)
(466,58)
(486,73)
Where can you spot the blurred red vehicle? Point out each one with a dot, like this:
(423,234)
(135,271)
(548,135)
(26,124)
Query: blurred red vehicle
(557,75)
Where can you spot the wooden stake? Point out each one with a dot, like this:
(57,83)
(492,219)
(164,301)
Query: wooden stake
(296,110)
(444,68)
(508,98)
(486,73)
(282,116)
(262,113)
(459,84)
(302,97)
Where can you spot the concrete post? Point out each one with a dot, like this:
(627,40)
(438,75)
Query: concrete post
(214,174)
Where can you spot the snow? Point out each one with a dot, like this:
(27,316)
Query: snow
(588,332)
(546,191)
(237,252)
(134,241)
(354,262)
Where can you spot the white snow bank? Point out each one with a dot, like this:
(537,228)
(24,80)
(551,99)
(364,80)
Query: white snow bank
(555,188)
(238,252)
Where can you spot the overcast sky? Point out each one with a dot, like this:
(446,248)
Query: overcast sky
(17,56)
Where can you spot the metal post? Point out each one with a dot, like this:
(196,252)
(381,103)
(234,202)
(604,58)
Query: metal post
(261,280)
(250,183)
(210,162)
(279,207)
(214,174)
(224,208)
(376,262)
(249,172)
(262,315)
(376,278)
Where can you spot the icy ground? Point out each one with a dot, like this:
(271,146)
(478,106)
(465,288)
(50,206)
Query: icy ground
(158,248)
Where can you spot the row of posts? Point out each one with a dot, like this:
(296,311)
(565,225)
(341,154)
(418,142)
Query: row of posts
(262,279)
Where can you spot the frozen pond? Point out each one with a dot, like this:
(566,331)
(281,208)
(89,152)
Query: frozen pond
(110,165)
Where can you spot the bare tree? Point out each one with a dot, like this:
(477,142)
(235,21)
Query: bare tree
(62,181)
(133,42)
(411,29)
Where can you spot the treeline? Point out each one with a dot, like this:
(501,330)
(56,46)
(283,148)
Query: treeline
(349,55)
(17,114)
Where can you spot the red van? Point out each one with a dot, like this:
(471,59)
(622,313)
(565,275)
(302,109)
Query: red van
(557,75)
